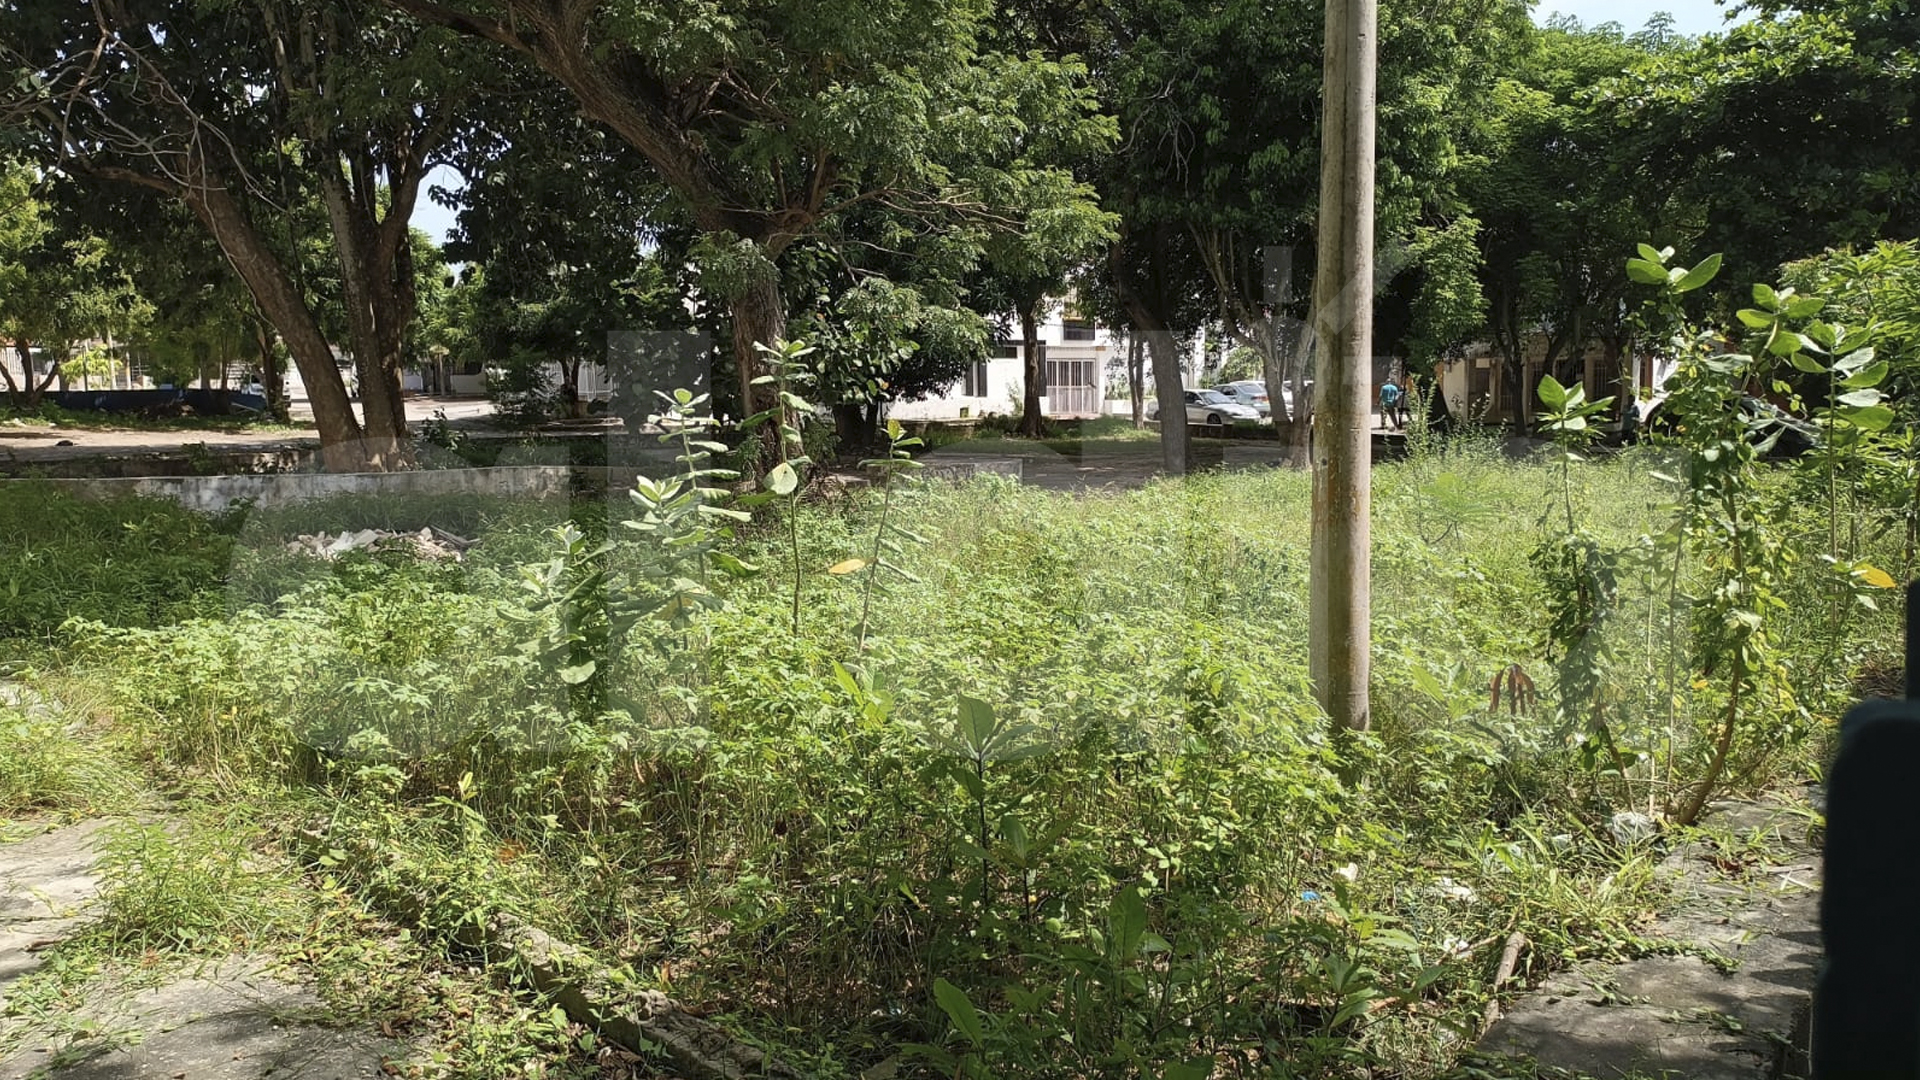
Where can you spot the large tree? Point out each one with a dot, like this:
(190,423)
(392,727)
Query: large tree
(1217,180)
(60,284)
(565,224)
(1791,133)
(240,110)
(767,123)
(1559,201)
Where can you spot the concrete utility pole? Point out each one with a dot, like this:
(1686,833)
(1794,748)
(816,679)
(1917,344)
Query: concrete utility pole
(1343,326)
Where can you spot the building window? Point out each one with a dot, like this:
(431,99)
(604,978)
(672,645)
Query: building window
(1003,349)
(1076,329)
(976,383)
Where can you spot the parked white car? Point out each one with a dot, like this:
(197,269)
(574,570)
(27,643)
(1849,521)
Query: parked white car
(1212,408)
(1249,392)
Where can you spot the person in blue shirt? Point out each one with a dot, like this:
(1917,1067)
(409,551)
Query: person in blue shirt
(1390,398)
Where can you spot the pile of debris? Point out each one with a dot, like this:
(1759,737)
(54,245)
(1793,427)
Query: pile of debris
(428,543)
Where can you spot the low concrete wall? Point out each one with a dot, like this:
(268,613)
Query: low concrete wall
(210,494)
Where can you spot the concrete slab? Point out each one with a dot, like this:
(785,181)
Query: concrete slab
(232,1021)
(1679,1015)
(49,876)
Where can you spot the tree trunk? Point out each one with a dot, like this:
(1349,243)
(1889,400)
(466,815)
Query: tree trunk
(1033,421)
(23,394)
(280,301)
(1626,395)
(271,382)
(849,426)
(1301,435)
(759,318)
(573,405)
(1168,385)
(376,321)
(6,376)
(1137,379)
(1169,394)
(37,388)
(1274,378)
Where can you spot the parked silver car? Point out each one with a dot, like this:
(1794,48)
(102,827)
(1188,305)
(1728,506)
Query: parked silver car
(1212,408)
(1249,392)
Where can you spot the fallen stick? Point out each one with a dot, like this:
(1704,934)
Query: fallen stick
(646,1022)
(1508,959)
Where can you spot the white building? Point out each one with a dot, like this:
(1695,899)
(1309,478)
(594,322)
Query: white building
(1075,353)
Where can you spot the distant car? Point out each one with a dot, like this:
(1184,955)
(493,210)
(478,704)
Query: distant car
(1249,392)
(1212,408)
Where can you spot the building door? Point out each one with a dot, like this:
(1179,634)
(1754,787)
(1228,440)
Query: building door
(1073,388)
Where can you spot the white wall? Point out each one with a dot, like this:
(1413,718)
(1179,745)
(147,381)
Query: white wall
(1006,380)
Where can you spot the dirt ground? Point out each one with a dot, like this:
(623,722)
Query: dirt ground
(29,445)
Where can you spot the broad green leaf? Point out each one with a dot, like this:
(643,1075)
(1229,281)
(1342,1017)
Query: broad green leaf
(1126,922)
(977,724)
(1649,254)
(1756,320)
(1552,394)
(846,680)
(1861,399)
(1786,343)
(847,566)
(1424,681)
(1854,361)
(1198,1068)
(1646,273)
(1765,296)
(1016,835)
(733,565)
(1699,275)
(1872,418)
(578,673)
(1867,376)
(1803,362)
(953,1001)
(1804,307)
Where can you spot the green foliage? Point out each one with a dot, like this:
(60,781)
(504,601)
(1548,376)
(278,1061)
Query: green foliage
(1726,526)
(187,892)
(132,562)
(1107,863)
(685,519)
(46,765)
(1714,121)
(62,284)
(887,534)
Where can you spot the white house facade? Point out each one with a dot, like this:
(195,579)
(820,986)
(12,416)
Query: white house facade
(1075,353)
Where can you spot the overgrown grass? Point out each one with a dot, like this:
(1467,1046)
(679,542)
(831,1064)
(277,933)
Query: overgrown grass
(48,765)
(128,562)
(50,415)
(1076,771)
